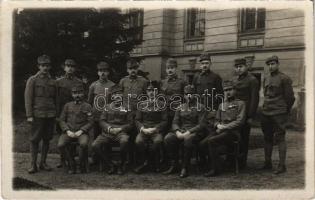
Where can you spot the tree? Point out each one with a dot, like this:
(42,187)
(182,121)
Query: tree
(86,35)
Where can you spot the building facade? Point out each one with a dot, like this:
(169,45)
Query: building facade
(253,33)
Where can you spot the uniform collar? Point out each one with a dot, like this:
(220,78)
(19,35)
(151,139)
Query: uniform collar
(242,76)
(69,76)
(274,73)
(41,75)
(102,81)
(206,73)
(172,78)
(132,78)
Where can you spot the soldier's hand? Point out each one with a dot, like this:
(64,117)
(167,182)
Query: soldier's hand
(70,133)
(119,130)
(179,134)
(78,133)
(220,126)
(30,119)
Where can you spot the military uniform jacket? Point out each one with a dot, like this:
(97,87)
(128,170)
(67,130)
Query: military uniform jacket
(40,96)
(232,114)
(172,86)
(76,116)
(247,89)
(112,118)
(98,88)
(278,94)
(210,81)
(189,117)
(149,116)
(64,86)
(133,87)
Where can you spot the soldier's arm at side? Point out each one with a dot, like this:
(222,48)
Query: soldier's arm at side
(288,93)
(90,98)
(90,119)
(202,115)
(138,120)
(219,91)
(128,127)
(254,98)
(240,119)
(176,121)
(218,116)
(103,122)
(162,125)
(63,119)
(28,96)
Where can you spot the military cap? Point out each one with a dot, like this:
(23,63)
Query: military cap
(77,88)
(102,65)
(171,61)
(272,58)
(116,89)
(189,89)
(239,61)
(132,63)
(70,62)
(227,84)
(205,56)
(43,59)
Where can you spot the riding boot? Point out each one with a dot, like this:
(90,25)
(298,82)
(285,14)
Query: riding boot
(34,152)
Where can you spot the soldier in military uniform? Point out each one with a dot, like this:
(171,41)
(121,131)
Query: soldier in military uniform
(151,121)
(230,118)
(172,85)
(208,82)
(64,86)
(76,120)
(40,106)
(247,89)
(98,96)
(116,123)
(132,85)
(278,101)
(187,128)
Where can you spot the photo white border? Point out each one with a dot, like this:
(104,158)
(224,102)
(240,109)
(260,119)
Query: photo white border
(7,9)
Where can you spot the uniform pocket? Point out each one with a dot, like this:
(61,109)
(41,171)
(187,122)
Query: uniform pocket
(51,90)
(39,90)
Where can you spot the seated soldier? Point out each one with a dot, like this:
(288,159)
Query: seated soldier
(151,120)
(116,123)
(76,120)
(229,119)
(188,128)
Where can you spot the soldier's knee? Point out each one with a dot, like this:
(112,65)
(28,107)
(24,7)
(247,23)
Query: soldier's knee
(169,138)
(83,145)
(124,139)
(96,146)
(280,137)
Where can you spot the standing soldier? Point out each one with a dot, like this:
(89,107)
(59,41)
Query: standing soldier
(64,86)
(247,89)
(209,86)
(278,101)
(96,94)
(76,120)
(40,106)
(116,123)
(132,86)
(208,82)
(187,128)
(172,85)
(151,121)
(230,118)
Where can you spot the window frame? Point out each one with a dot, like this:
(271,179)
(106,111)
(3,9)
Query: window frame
(187,24)
(242,22)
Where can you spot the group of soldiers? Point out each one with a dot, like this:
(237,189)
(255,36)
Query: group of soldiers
(149,135)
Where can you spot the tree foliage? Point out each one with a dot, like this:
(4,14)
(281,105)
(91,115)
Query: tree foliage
(86,35)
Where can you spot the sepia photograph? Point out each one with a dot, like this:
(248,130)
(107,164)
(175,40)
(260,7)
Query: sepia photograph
(184,101)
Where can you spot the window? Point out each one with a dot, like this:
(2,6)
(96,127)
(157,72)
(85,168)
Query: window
(135,21)
(253,20)
(195,26)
